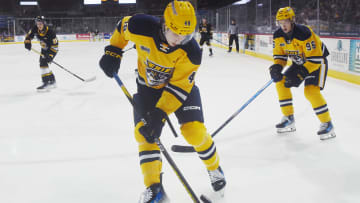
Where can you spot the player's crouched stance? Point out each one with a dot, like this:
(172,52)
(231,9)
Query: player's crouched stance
(49,48)
(309,64)
(168,58)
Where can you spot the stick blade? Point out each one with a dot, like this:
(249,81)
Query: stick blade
(90,79)
(205,199)
(182,149)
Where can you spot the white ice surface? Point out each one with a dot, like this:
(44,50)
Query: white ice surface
(75,144)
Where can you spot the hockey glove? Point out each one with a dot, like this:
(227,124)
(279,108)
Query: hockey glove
(295,75)
(110,61)
(49,57)
(27,43)
(155,121)
(275,72)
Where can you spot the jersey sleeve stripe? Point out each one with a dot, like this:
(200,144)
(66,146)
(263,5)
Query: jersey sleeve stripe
(316,61)
(141,80)
(173,92)
(315,57)
(282,57)
(179,93)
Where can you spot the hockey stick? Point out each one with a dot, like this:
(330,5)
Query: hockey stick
(62,67)
(163,150)
(221,42)
(128,49)
(181,148)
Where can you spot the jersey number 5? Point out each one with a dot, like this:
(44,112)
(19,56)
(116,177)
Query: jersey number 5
(310,46)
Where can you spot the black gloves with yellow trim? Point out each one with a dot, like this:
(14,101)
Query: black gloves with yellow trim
(295,75)
(275,72)
(110,61)
(155,120)
(49,56)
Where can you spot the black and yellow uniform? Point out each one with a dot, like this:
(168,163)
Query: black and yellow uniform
(49,48)
(165,80)
(309,53)
(205,30)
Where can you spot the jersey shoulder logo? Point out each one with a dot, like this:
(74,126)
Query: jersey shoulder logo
(144,48)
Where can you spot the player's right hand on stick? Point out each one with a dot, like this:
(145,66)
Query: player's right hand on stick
(110,61)
(27,43)
(275,72)
(155,120)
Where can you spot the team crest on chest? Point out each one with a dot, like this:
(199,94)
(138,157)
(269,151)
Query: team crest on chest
(157,74)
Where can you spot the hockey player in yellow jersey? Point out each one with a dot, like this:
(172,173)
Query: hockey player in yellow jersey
(309,64)
(168,59)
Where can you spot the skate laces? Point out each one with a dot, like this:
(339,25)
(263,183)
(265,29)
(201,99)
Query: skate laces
(324,126)
(147,194)
(284,118)
(216,175)
(287,119)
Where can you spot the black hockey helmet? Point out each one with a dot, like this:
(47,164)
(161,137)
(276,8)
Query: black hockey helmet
(40,19)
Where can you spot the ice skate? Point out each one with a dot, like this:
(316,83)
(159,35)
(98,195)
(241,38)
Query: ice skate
(154,194)
(218,181)
(46,86)
(287,124)
(326,131)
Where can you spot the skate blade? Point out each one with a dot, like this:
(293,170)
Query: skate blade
(42,90)
(51,87)
(285,130)
(218,196)
(327,136)
(221,193)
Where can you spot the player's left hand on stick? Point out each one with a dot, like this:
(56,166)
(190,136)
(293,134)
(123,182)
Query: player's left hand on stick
(155,120)
(48,57)
(295,75)
(27,44)
(275,72)
(110,61)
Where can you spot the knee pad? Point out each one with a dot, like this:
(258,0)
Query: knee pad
(194,133)
(311,91)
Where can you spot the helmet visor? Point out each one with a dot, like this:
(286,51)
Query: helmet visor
(175,39)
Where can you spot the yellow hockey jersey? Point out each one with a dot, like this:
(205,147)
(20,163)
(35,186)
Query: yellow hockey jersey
(159,65)
(303,47)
